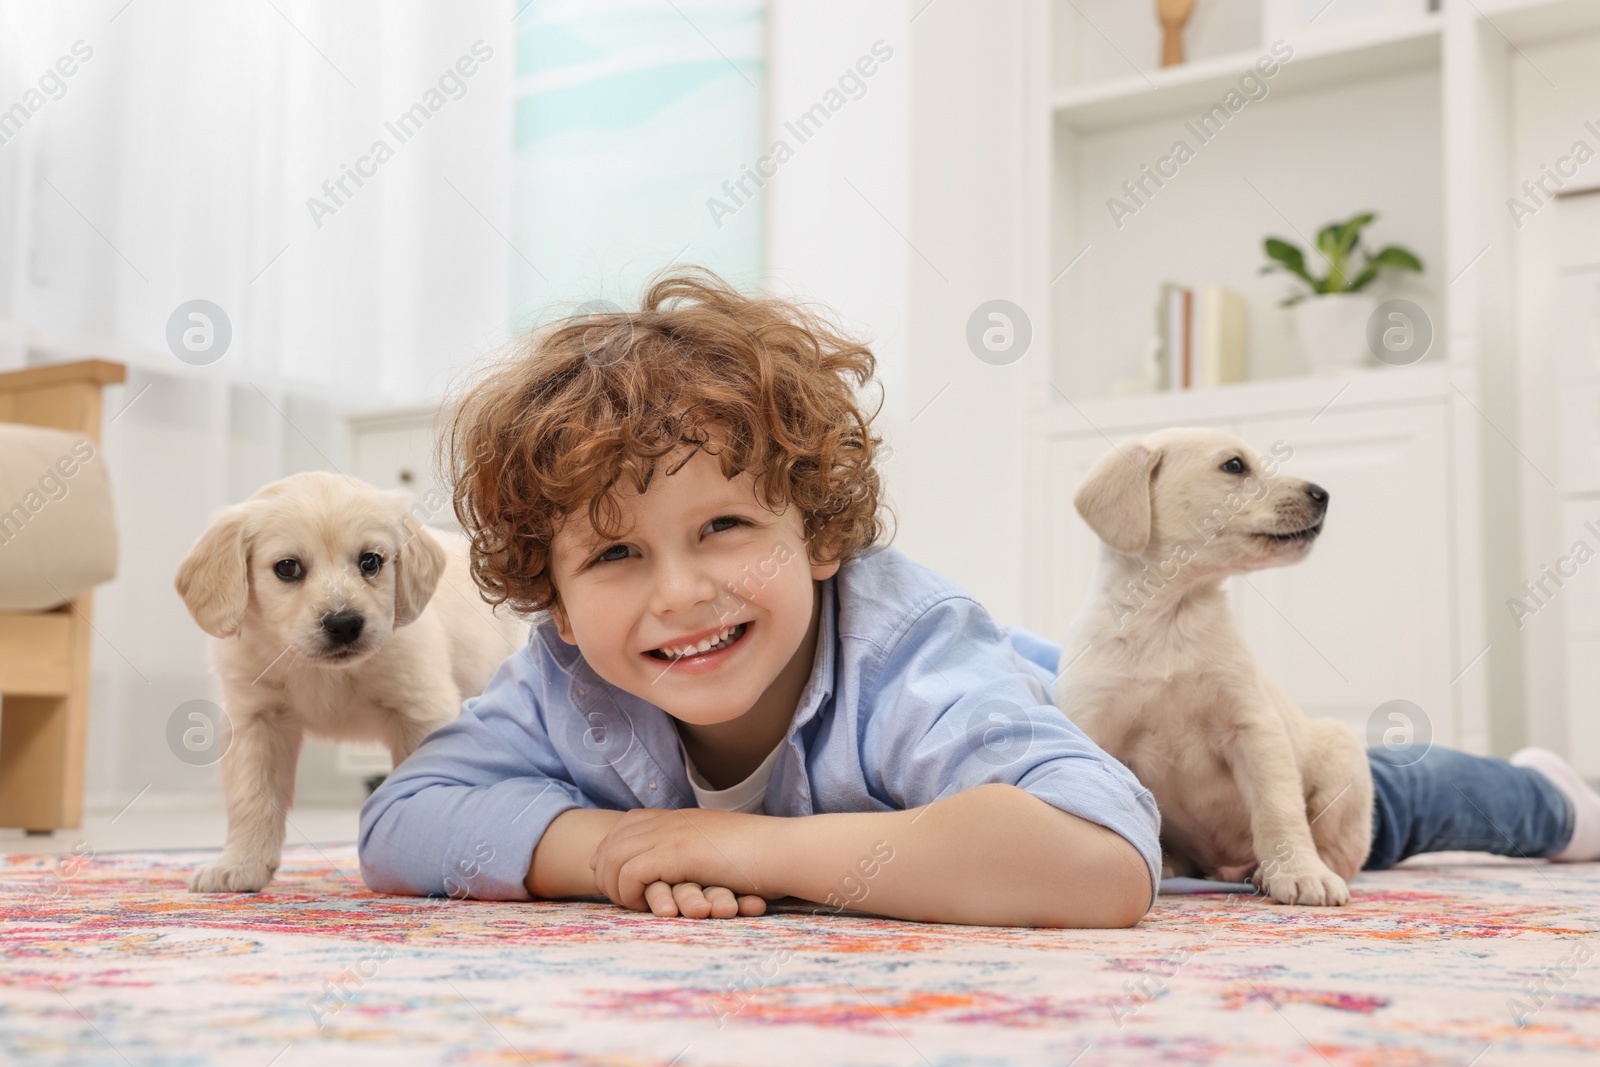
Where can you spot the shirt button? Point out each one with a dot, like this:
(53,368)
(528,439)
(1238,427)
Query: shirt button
(652,785)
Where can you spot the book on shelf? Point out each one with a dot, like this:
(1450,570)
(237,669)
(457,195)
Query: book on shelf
(1200,337)
(1220,337)
(1172,354)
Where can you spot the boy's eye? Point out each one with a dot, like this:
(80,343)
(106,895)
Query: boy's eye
(605,555)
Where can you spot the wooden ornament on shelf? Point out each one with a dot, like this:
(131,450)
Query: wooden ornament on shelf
(1174,15)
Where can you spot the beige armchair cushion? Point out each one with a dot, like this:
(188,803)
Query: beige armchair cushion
(58,533)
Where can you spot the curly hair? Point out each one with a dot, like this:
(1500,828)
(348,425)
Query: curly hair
(764,384)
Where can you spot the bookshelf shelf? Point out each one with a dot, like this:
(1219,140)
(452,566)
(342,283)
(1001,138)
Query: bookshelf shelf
(1302,397)
(1521,22)
(1325,60)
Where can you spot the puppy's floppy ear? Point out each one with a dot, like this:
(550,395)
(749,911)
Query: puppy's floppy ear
(418,566)
(1115,499)
(214,578)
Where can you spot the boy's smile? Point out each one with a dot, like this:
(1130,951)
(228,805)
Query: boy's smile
(706,607)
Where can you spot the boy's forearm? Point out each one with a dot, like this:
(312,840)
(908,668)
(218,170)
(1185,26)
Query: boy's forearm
(994,855)
(560,864)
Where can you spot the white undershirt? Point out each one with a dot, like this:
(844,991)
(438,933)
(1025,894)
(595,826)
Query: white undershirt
(746,796)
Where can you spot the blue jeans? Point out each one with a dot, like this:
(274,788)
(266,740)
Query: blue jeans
(1439,800)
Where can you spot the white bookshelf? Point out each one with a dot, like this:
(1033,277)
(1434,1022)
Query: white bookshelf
(1409,115)
(1338,57)
(1523,22)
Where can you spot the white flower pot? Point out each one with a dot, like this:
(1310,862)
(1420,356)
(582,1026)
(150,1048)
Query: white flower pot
(1333,331)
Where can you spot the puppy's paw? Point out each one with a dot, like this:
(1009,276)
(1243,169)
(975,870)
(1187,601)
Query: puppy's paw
(1312,883)
(232,876)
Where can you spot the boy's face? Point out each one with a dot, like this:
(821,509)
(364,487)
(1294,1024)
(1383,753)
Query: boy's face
(700,557)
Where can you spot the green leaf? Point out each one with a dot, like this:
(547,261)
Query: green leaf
(1397,257)
(1283,251)
(1291,258)
(1362,280)
(1328,240)
(1335,242)
(1350,231)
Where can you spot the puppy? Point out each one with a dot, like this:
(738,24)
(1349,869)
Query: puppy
(1160,676)
(319,592)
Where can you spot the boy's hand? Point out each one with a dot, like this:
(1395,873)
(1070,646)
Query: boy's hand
(685,849)
(693,901)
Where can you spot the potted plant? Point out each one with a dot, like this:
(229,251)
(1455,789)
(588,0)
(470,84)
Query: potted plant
(1331,319)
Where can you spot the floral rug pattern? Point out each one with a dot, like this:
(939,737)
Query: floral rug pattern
(1457,960)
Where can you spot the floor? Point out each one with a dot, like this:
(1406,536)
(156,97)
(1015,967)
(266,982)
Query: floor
(149,822)
(1454,959)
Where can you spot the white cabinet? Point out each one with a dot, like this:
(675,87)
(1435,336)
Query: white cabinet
(1577,598)
(394,448)
(1578,301)
(1366,618)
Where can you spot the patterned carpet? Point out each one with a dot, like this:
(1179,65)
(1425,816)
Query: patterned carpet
(1463,960)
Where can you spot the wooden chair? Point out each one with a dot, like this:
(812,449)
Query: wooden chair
(44,656)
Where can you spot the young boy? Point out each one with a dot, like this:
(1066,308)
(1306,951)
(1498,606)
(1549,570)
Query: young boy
(732,693)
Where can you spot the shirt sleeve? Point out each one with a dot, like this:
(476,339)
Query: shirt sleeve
(462,814)
(957,706)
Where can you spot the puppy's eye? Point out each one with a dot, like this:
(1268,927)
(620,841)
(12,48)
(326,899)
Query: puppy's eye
(1234,466)
(371,563)
(288,569)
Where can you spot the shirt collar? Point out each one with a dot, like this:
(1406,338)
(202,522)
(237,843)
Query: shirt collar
(819,687)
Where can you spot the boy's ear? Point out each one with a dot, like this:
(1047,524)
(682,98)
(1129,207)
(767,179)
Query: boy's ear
(1115,498)
(821,572)
(820,545)
(563,624)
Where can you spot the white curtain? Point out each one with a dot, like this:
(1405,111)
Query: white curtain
(176,163)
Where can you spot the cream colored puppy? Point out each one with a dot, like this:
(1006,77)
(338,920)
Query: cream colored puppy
(1160,676)
(319,592)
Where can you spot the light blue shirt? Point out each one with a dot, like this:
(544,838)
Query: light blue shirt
(915,694)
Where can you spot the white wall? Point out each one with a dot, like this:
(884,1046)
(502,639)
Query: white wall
(833,210)
(970,181)
(904,214)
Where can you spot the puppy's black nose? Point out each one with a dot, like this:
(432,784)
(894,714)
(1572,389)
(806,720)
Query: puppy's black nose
(1318,495)
(343,626)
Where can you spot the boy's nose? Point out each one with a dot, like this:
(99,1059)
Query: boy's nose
(682,585)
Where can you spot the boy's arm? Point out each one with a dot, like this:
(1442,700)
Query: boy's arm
(560,864)
(992,855)
(463,814)
(962,731)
